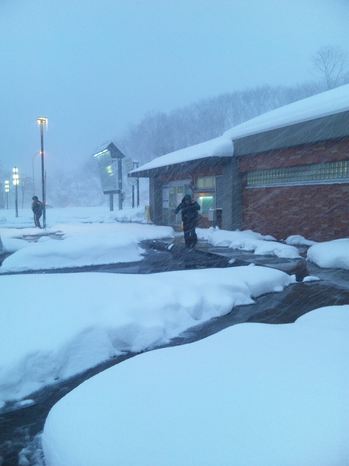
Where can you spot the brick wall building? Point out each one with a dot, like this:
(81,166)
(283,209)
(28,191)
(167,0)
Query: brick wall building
(282,173)
(307,191)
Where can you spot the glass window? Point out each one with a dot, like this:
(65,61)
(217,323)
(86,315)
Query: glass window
(206,182)
(172,195)
(308,174)
(207,204)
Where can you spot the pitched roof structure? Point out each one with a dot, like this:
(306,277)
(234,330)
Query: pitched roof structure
(115,152)
(217,147)
(319,117)
(317,106)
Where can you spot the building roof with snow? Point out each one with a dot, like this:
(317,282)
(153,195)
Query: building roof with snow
(216,149)
(113,151)
(320,117)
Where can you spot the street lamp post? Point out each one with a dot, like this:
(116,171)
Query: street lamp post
(42,122)
(15,181)
(7,190)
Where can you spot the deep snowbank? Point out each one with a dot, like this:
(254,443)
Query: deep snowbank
(256,395)
(248,241)
(55,326)
(330,254)
(84,244)
(299,240)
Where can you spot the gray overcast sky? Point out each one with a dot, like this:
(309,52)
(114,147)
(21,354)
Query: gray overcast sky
(95,66)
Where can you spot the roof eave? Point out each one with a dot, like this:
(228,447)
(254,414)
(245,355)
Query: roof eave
(183,167)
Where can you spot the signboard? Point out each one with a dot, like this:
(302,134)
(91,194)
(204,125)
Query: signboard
(108,170)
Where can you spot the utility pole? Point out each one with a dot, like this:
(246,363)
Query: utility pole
(111,202)
(7,190)
(120,183)
(42,122)
(15,181)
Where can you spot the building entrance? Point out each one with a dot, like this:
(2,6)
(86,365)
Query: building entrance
(172,195)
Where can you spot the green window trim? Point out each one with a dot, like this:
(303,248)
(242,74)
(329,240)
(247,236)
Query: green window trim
(320,173)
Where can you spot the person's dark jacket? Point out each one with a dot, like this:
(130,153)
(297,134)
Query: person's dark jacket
(190,212)
(37,207)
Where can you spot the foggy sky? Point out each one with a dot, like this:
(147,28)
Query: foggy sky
(95,66)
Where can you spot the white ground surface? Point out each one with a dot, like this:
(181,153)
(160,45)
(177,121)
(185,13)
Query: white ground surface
(82,244)
(55,326)
(248,241)
(70,215)
(89,236)
(251,395)
(272,382)
(330,254)
(299,240)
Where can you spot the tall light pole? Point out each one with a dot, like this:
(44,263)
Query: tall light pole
(42,122)
(7,190)
(15,181)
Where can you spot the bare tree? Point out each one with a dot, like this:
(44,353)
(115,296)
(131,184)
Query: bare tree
(330,62)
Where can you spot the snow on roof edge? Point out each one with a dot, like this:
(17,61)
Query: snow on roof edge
(311,108)
(216,147)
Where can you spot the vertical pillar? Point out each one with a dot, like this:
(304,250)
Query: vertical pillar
(111,202)
(16,199)
(120,183)
(43,184)
(137,185)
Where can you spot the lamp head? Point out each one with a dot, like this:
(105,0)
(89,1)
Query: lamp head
(42,121)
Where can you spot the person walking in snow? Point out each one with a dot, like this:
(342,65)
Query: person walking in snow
(190,216)
(37,209)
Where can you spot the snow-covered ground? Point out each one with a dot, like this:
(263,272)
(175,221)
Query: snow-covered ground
(250,384)
(251,395)
(248,241)
(70,215)
(82,244)
(87,236)
(55,326)
(330,254)
(92,236)
(299,240)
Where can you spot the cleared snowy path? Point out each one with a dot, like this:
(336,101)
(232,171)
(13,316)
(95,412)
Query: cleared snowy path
(89,318)
(251,395)
(22,423)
